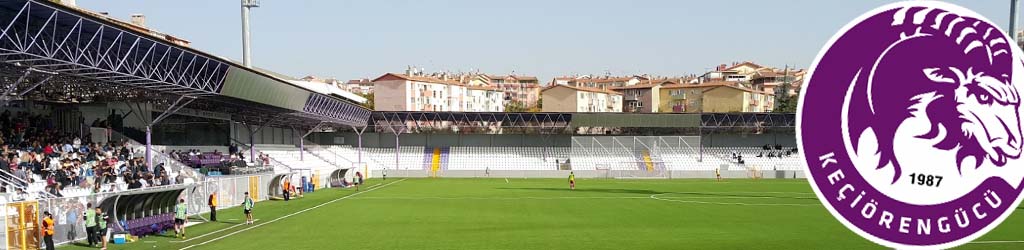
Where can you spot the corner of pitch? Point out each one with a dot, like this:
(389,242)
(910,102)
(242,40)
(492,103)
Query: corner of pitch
(861,202)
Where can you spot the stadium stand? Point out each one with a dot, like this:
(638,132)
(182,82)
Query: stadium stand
(755,157)
(533,158)
(410,157)
(349,154)
(506,158)
(40,162)
(290,157)
(213,102)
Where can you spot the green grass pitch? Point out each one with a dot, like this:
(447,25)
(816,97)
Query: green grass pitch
(543,214)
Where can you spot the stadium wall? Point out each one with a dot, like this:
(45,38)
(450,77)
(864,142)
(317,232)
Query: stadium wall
(387,140)
(592,174)
(201,135)
(748,140)
(267,135)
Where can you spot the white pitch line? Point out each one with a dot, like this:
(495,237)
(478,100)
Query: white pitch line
(375,187)
(655,196)
(996,242)
(738,192)
(502,198)
(574,197)
(218,231)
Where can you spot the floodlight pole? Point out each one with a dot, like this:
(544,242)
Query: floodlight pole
(246,39)
(1013,20)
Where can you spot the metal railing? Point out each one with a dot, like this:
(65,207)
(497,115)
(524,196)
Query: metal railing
(327,155)
(170,164)
(7,178)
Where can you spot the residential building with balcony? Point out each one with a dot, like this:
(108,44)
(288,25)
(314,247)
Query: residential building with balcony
(522,89)
(359,86)
(564,80)
(642,98)
(605,82)
(713,97)
(484,99)
(565,98)
(1020,39)
(405,92)
(738,72)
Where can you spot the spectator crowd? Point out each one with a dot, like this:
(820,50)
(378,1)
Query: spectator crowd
(33,151)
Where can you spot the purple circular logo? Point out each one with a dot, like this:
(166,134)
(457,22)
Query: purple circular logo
(910,125)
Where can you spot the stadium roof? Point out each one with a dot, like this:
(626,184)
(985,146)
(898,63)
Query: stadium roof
(748,120)
(404,120)
(637,120)
(55,53)
(328,89)
(568,120)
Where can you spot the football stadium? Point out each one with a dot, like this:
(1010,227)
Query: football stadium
(122,137)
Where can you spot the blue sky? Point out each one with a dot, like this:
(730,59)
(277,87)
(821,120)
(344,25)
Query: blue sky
(545,38)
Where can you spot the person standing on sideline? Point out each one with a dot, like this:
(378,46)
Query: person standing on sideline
(72,218)
(355,182)
(102,231)
(572,181)
(180,218)
(90,224)
(213,206)
(247,205)
(48,230)
(287,189)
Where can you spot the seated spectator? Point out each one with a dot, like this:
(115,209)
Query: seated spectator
(134,184)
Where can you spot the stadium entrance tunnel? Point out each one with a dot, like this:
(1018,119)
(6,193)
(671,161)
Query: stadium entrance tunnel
(145,212)
(337,177)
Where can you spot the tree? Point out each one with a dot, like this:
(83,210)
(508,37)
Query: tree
(369,100)
(515,106)
(536,108)
(785,103)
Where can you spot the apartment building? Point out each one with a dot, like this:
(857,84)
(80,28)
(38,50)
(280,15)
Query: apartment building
(564,80)
(359,86)
(565,98)
(603,82)
(719,96)
(643,97)
(522,89)
(1020,39)
(738,72)
(413,92)
(484,99)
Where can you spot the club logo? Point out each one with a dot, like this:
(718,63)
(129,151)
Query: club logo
(910,125)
